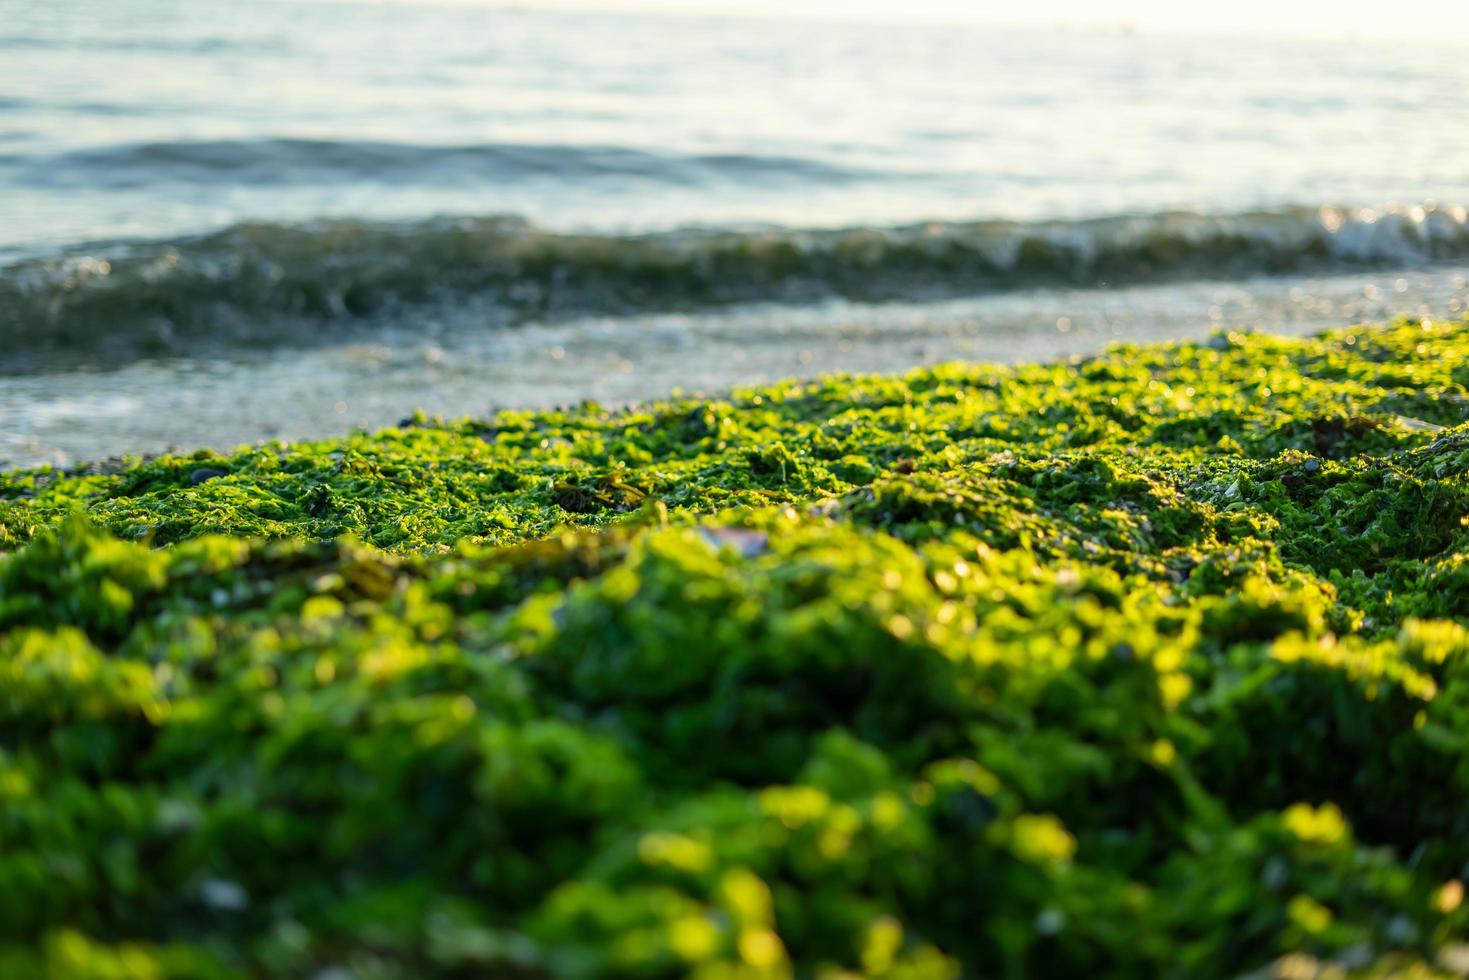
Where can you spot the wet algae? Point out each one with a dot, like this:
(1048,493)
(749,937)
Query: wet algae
(1148,664)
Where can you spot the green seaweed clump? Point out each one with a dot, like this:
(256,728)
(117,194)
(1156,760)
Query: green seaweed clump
(1154,663)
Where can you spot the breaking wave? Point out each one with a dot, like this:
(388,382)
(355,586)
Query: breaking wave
(273,283)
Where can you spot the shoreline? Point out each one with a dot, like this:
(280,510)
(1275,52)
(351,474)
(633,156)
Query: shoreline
(260,285)
(455,366)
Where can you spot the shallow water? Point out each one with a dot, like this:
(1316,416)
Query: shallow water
(382,375)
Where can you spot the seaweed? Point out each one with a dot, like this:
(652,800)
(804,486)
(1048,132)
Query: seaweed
(1154,663)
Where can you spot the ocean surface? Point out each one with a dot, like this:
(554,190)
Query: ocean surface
(224,221)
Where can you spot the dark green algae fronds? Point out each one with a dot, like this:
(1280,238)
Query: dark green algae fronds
(1149,664)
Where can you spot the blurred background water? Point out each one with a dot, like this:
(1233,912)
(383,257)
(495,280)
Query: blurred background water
(226,221)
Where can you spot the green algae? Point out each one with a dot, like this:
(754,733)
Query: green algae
(1149,664)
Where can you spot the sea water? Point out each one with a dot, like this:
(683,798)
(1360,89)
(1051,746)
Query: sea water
(225,221)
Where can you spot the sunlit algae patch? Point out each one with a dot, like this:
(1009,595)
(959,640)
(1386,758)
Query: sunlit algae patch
(1148,664)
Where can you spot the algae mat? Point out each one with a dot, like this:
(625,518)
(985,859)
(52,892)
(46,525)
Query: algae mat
(1148,664)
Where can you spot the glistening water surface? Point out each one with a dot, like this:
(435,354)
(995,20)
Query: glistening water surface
(129,118)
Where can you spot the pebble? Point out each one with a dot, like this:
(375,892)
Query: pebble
(206,473)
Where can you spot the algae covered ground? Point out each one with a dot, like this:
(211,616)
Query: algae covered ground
(1148,664)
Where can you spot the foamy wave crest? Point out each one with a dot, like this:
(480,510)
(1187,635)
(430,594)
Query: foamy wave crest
(266,284)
